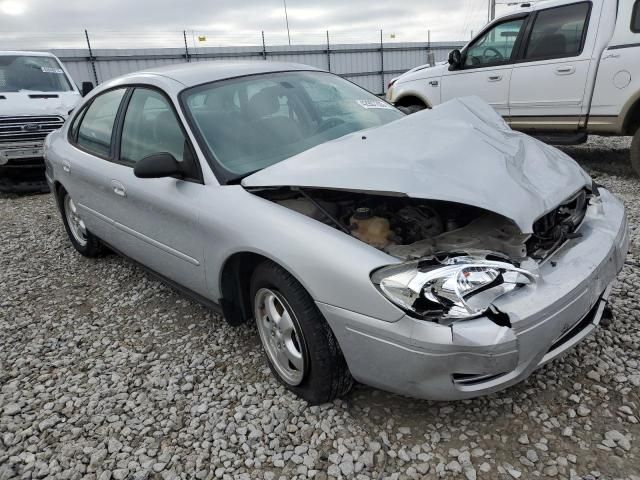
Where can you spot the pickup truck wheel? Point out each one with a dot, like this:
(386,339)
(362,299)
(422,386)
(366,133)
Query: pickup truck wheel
(410,109)
(81,238)
(301,349)
(635,152)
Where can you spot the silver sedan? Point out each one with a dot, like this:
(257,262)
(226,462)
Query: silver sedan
(439,255)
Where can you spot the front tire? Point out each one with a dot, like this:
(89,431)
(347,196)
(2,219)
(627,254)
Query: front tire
(635,152)
(301,349)
(82,239)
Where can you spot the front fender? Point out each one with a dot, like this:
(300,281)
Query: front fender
(422,89)
(333,267)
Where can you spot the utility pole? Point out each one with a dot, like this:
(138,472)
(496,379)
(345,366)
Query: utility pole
(492,10)
(286,18)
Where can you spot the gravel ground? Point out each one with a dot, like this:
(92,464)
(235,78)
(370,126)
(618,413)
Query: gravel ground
(106,373)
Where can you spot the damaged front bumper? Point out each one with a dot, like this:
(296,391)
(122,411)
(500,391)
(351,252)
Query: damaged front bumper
(476,357)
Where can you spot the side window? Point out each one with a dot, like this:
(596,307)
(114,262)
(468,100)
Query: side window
(76,124)
(495,46)
(558,32)
(96,127)
(635,17)
(150,126)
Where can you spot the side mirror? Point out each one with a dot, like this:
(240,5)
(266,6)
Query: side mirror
(455,58)
(86,88)
(158,165)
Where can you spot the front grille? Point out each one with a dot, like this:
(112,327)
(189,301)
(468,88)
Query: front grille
(578,327)
(28,129)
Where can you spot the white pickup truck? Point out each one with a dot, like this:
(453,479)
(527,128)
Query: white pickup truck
(36,96)
(559,70)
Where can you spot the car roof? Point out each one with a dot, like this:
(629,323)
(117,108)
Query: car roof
(25,53)
(196,73)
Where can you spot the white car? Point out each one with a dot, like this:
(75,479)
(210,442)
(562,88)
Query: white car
(559,70)
(36,96)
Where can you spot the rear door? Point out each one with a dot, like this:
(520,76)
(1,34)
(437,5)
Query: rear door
(487,66)
(548,83)
(86,170)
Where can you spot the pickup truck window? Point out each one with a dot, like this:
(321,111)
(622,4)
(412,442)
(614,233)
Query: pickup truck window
(558,32)
(32,73)
(635,17)
(495,46)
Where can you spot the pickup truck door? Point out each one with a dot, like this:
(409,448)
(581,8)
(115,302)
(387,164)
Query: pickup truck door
(548,82)
(487,65)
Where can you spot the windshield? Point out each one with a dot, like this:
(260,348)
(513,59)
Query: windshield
(38,74)
(253,122)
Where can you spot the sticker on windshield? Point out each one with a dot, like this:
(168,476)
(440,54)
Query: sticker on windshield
(374,104)
(51,70)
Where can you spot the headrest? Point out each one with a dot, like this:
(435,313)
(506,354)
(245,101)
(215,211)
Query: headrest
(264,103)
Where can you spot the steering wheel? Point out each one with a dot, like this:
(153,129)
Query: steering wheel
(329,123)
(498,56)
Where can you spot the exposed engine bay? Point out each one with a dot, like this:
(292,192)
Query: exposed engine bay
(409,228)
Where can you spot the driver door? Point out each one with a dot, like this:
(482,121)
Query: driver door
(487,65)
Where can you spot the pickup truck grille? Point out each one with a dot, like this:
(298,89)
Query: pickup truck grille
(28,129)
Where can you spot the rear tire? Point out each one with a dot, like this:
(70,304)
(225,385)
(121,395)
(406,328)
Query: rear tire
(82,239)
(635,152)
(313,366)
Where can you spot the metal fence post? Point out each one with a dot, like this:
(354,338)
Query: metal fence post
(91,57)
(264,47)
(328,52)
(186,47)
(382,61)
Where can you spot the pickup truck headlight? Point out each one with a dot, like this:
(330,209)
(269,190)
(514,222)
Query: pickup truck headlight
(454,288)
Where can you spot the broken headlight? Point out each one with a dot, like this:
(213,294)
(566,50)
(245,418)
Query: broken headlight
(453,288)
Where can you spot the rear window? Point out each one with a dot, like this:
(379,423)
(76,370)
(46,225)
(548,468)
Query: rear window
(635,17)
(558,32)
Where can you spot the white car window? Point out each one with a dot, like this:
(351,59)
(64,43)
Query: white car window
(495,46)
(32,73)
(558,32)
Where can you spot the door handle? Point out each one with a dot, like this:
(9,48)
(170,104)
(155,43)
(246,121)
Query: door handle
(495,78)
(565,70)
(611,55)
(118,188)
(66,167)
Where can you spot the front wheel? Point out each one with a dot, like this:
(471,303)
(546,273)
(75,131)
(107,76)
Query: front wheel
(410,109)
(635,152)
(301,349)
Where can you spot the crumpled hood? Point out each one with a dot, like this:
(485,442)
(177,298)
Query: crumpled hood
(461,151)
(20,104)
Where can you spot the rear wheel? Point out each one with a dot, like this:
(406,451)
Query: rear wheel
(635,152)
(301,349)
(81,238)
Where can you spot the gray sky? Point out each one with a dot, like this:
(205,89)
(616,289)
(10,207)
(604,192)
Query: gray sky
(157,22)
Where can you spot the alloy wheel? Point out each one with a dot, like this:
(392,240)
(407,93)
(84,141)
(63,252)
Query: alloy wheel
(280,335)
